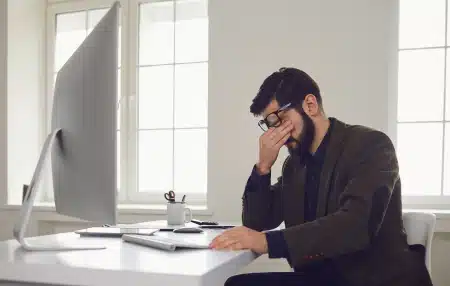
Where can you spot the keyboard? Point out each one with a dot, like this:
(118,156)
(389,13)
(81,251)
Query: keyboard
(165,243)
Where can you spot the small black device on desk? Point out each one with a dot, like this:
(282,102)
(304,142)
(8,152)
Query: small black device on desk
(216,226)
(202,222)
(210,224)
(200,227)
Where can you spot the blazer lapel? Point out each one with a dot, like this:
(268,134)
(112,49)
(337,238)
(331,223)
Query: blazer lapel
(332,154)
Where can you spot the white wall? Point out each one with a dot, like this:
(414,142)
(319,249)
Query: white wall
(3,98)
(346,45)
(26,58)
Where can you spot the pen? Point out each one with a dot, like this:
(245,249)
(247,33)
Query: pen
(184,197)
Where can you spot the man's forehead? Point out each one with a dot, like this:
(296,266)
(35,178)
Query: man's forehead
(272,107)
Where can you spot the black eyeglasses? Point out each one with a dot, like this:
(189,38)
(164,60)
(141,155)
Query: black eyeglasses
(273,119)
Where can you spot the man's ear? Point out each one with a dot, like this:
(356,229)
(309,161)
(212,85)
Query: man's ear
(310,105)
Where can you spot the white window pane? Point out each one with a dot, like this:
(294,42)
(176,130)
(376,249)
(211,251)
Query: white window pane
(191,149)
(420,169)
(191,95)
(119,95)
(118,160)
(421,85)
(156,97)
(191,31)
(70,33)
(119,47)
(447,96)
(50,99)
(155,160)
(447,160)
(156,33)
(422,23)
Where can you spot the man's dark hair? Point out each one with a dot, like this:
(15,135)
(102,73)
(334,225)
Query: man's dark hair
(287,85)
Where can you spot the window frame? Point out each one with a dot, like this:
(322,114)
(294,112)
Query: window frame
(134,195)
(128,105)
(441,201)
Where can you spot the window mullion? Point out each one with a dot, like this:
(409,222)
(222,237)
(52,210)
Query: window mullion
(444,102)
(123,103)
(48,195)
(132,132)
(173,91)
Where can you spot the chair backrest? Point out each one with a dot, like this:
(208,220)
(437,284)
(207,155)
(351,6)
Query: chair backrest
(419,227)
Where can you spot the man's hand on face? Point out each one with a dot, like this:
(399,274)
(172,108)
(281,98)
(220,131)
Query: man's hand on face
(270,144)
(239,238)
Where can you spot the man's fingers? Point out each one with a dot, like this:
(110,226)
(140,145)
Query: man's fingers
(286,123)
(281,131)
(226,244)
(217,240)
(278,141)
(282,126)
(268,132)
(282,141)
(235,246)
(230,234)
(223,241)
(287,128)
(220,238)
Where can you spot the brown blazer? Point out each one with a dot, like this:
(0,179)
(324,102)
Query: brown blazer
(359,229)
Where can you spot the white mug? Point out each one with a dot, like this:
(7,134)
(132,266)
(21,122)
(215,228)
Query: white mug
(176,213)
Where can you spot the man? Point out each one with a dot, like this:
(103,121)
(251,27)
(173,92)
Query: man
(339,196)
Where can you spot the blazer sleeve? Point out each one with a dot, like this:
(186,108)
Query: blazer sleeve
(261,203)
(362,206)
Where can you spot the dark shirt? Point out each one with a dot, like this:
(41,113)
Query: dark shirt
(314,162)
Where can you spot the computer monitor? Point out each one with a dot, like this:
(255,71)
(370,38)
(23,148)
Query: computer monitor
(83,139)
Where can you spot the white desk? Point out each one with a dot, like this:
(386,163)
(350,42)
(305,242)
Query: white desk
(120,263)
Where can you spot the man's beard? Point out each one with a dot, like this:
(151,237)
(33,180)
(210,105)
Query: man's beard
(305,140)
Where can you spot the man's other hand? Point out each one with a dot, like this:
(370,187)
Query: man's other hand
(239,238)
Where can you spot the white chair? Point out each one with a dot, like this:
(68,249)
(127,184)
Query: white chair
(419,227)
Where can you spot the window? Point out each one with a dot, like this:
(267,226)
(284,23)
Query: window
(163,86)
(423,111)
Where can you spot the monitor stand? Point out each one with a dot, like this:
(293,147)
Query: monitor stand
(27,206)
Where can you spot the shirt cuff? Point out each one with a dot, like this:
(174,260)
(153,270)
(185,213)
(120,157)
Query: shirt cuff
(258,181)
(277,245)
